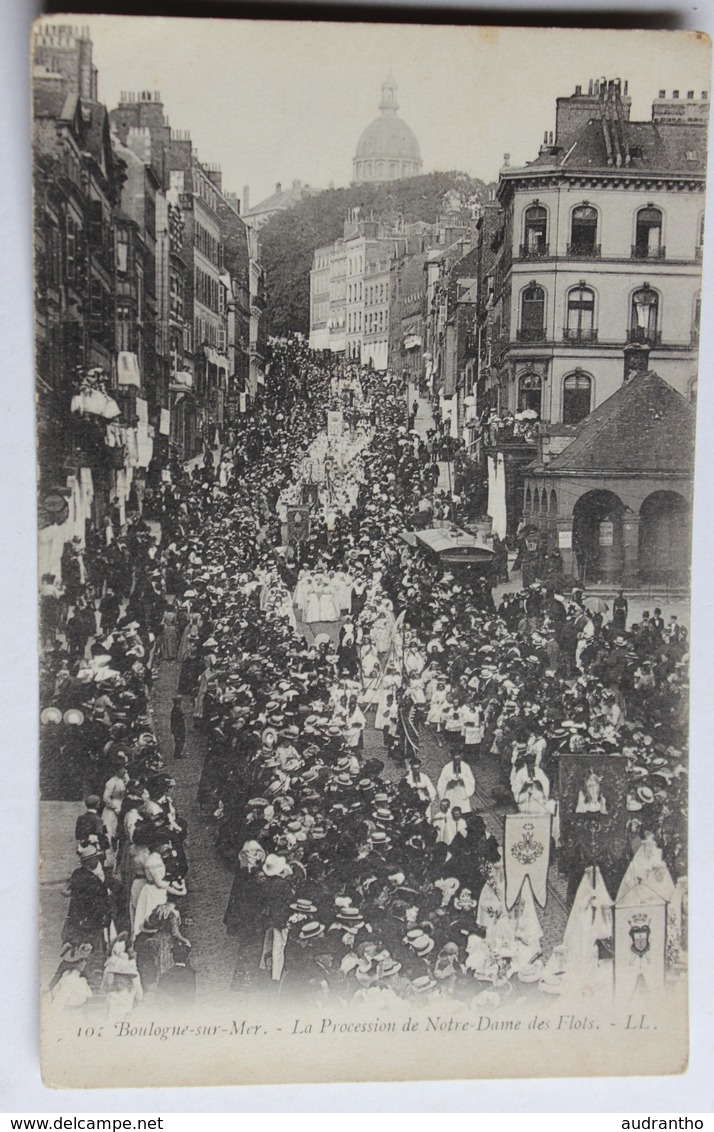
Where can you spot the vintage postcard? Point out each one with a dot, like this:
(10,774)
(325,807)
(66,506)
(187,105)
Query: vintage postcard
(366,372)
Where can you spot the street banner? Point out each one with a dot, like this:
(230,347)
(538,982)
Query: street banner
(526,855)
(298,524)
(310,493)
(640,940)
(335,422)
(593,812)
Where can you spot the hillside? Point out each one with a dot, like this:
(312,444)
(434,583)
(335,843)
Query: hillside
(289,239)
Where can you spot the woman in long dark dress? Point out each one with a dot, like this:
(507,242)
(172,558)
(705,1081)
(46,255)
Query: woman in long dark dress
(169,634)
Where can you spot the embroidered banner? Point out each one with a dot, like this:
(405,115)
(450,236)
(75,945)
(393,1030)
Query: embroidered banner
(298,524)
(593,814)
(640,939)
(526,853)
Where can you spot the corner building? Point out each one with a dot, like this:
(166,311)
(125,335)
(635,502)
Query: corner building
(600,272)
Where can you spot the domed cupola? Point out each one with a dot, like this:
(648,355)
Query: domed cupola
(387,149)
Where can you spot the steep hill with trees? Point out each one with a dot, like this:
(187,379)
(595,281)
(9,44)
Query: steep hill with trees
(289,238)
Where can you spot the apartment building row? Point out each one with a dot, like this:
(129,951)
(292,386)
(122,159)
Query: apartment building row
(150,326)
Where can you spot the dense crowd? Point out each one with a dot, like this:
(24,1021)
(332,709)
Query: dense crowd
(315,667)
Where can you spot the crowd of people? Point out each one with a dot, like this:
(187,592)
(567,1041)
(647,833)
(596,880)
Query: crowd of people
(323,671)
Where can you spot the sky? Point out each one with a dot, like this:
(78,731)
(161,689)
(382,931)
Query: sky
(281,101)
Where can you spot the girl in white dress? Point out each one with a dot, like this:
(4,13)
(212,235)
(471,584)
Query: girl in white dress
(438,705)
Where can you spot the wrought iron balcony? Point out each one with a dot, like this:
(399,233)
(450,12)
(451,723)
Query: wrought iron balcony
(583,251)
(531,334)
(581,335)
(640,336)
(540,251)
(642,251)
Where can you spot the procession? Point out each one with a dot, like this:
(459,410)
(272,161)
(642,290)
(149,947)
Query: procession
(409,791)
(365,501)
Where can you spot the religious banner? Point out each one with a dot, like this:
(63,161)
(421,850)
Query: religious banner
(640,940)
(335,422)
(593,811)
(298,524)
(310,493)
(526,855)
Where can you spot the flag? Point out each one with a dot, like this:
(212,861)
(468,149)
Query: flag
(526,853)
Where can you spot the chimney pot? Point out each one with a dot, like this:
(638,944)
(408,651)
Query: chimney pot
(578,90)
(626,85)
(690,94)
(675,94)
(663,94)
(278,187)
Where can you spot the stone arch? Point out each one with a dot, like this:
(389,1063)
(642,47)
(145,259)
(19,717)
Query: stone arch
(598,543)
(665,537)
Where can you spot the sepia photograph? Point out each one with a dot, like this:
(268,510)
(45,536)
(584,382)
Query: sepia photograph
(366,362)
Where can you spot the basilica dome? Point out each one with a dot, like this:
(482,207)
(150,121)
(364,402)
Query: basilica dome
(388,149)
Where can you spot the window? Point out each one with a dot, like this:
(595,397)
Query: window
(577,393)
(581,315)
(71,248)
(535,232)
(583,232)
(643,317)
(532,314)
(125,329)
(122,251)
(648,234)
(530,389)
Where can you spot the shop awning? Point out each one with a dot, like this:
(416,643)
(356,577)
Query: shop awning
(181,382)
(216,359)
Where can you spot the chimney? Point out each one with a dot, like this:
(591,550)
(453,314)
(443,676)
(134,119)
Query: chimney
(278,187)
(578,90)
(297,185)
(246,197)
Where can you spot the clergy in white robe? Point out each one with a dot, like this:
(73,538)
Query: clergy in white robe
(456,784)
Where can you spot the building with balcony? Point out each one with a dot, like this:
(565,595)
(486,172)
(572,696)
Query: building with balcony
(591,267)
(600,264)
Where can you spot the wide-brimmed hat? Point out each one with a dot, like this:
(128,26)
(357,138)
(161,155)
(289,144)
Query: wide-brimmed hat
(303,905)
(379,837)
(423,944)
(423,983)
(273,865)
(312,930)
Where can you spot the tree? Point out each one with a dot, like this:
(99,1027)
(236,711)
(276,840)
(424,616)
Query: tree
(289,239)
